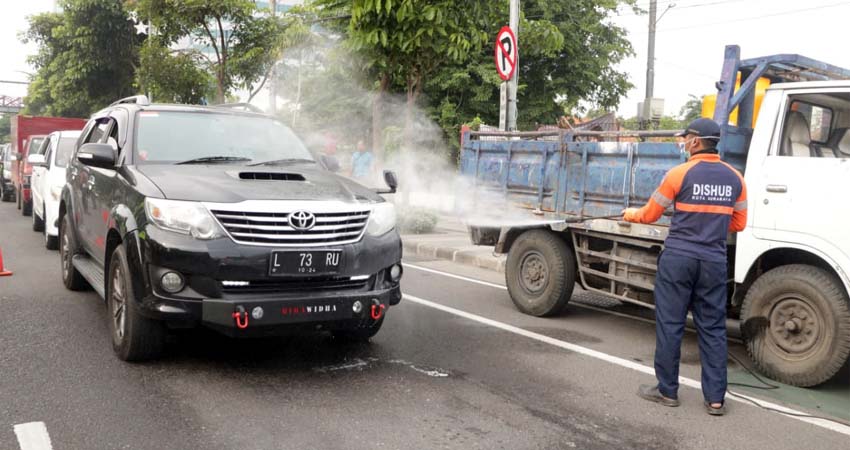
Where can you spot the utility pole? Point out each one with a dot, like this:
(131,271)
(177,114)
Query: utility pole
(273,73)
(512,85)
(650,59)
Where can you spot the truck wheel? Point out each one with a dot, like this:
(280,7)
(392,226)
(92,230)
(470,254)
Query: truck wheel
(361,334)
(37,222)
(70,276)
(540,273)
(795,321)
(134,337)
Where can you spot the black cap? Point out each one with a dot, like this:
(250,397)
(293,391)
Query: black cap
(703,128)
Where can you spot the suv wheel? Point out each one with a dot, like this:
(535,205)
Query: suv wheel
(134,337)
(70,276)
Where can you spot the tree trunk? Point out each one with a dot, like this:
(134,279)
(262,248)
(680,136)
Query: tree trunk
(414,88)
(378,119)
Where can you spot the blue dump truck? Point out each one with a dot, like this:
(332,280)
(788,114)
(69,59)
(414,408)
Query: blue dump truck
(788,279)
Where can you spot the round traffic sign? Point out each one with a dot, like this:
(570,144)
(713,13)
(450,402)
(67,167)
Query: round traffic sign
(505,53)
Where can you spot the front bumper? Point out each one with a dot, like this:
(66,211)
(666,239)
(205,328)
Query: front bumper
(223,278)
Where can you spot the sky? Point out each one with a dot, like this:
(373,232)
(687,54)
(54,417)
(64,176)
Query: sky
(690,41)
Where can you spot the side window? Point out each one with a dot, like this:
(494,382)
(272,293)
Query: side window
(99,131)
(806,130)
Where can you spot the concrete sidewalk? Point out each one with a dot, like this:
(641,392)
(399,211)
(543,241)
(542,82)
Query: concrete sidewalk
(450,241)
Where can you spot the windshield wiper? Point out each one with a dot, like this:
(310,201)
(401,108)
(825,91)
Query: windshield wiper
(207,159)
(284,161)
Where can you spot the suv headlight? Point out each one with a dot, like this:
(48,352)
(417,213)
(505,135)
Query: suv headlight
(382,219)
(183,217)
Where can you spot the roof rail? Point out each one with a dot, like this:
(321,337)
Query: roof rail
(245,106)
(137,99)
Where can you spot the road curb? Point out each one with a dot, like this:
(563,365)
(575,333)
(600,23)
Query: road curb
(481,257)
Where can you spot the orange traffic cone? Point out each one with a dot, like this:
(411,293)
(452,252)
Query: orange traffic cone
(3,272)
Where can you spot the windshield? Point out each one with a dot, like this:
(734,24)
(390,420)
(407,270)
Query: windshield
(63,152)
(170,137)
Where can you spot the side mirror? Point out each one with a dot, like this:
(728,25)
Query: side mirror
(37,160)
(331,163)
(97,155)
(392,181)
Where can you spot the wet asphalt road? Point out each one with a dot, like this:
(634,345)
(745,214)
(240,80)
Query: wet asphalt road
(429,379)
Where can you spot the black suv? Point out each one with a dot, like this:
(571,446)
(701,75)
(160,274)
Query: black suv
(181,216)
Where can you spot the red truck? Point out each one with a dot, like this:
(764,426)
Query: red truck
(28,133)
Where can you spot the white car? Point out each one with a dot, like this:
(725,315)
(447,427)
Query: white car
(48,179)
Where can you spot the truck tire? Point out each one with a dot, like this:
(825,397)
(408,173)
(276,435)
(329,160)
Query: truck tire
(134,337)
(360,334)
(795,321)
(37,222)
(540,273)
(72,278)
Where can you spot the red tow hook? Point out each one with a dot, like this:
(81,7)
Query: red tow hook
(239,315)
(377,311)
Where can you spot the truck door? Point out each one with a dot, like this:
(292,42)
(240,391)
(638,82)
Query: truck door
(804,178)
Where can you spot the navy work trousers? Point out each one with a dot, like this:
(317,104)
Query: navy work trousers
(684,282)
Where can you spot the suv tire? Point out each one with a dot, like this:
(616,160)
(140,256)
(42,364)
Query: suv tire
(70,276)
(134,337)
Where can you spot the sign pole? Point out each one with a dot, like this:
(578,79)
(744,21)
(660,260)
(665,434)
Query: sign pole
(503,106)
(512,109)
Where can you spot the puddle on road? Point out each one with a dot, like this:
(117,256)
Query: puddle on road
(361,364)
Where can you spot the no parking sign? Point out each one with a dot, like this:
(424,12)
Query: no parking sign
(505,53)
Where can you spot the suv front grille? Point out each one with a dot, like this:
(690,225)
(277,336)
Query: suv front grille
(273,228)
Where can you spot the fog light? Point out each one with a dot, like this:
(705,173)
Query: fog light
(172,282)
(257,313)
(395,272)
(357,307)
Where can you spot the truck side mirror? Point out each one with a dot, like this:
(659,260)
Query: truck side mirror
(392,181)
(37,160)
(97,155)
(331,163)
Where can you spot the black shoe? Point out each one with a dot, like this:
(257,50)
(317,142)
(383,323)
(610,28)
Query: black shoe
(651,393)
(715,411)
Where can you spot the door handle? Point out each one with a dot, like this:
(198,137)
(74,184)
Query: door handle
(777,188)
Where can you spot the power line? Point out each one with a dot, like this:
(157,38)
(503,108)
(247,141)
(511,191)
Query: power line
(675,7)
(746,19)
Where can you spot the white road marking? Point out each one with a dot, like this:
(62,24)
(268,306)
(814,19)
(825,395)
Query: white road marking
(833,426)
(580,305)
(33,436)
(457,277)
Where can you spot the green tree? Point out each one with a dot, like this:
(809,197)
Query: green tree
(85,60)
(5,128)
(692,109)
(170,76)
(239,43)
(568,52)
(405,41)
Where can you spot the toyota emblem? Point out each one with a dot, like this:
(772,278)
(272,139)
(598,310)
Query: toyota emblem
(302,220)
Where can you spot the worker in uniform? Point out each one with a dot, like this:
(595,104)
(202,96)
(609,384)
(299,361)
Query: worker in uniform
(709,198)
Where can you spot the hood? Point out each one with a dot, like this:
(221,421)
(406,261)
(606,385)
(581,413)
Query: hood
(229,183)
